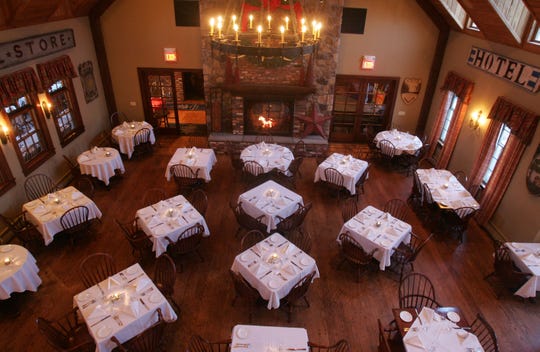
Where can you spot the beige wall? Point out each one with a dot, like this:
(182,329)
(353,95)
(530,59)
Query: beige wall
(135,32)
(94,114)
(517,217)
(403,40)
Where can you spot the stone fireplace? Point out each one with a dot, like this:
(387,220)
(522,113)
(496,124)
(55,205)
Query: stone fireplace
(245,91)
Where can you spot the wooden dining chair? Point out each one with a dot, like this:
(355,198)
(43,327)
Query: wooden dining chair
(461,177)
(397,208)
(151,339)
(387,152)
(456,221)
(301,238)
(299,150)
(485,334)
(340,346)
(334,182)
(250,239)
(38,185)
(416,291)
(141,244)
(406,253)
(244,291)
(26,232)
(359,185)
(289,176)
(427,163)
(85,185)
(152,196)
(253,172)
(199,200)
(68,333)
(165,278)
(297,294)
(506,272)
(186,179)
(349,208)
(141,142)
(264,137)
(353,253)
(75,222)
(199,344)
(245,221)
(73,166)
(188,242)
(95,268)
(117,118)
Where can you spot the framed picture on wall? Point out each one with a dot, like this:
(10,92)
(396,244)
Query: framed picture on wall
(533,174)
(86,72)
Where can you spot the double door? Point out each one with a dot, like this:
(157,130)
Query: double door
(363,106)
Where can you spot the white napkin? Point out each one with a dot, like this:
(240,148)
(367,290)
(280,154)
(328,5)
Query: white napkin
(118,132)
(288,269)
(427,315)
(259,269)
(83,158)
(153,221)
(125,124)
(97,314)
(286,249)
(392,232)
(414,341)
(112,283)
(141,284)
(76,195)
(40,209)
(531,258)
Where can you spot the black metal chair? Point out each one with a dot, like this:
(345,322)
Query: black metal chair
(417,291)
(38,185)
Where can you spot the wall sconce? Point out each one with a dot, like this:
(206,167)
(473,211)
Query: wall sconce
(46,106)
(169,54)
(367,62)
(4,134)
(474,122)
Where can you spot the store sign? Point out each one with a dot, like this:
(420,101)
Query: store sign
(30,48)
(524,75)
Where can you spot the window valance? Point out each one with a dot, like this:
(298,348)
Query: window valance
(51,71)
(17,84)
(521,121)
(460,86)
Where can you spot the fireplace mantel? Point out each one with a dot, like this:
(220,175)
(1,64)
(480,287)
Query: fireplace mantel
(266,91)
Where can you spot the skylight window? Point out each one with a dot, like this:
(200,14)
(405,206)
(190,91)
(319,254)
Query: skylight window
(456,11)
(534,37)
(514,15)
(471,25)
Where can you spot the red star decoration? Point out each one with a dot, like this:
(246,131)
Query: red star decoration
(314,122)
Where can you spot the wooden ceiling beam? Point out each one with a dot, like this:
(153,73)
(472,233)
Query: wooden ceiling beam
(534,7)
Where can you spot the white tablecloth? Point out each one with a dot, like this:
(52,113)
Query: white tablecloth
(270,199)
(18,271)
(274,280)
(526,256)
(197,159)
(446,189)
(101,163)
(169,218)
(270,156)
(131,314)
(364,228)
(125,132)
(434,333)
(404,142)
(45,213)
(268,338)
(351,169)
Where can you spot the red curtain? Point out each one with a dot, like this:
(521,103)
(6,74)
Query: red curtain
(462,88)
(17,84)
(505,112)
(51,71)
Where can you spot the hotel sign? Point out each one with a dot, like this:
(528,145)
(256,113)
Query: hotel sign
(524,75)
(30,48)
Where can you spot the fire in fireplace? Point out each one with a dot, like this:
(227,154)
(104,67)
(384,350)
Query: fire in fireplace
(274,117)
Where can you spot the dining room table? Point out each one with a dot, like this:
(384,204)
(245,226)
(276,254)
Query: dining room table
(404,142)
(125,132)
(444,329)
(123,306)
(373,229)
(526,256)
(101,163)
(258,338)
(45,212)
(199,160)
(273,267)
(169,218)
(271,200)
(445,189)
(18,271)
(351,168)
(269,155)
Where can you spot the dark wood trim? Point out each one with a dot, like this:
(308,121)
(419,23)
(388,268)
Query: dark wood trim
(101,52)
(436,64)
(7,176)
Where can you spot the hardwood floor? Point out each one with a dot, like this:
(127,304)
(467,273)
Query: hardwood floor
(340,307)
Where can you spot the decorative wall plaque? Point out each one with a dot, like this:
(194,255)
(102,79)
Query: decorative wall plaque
(410,89)
(533,174)
(86,72)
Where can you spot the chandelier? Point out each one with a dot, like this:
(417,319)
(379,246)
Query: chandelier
(266,28)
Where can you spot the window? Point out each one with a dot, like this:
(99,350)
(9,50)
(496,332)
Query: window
(455,10)
(472,26)
(502,138)
(534,37)
(448,117)
(514,14)
(65,111)
(32,141)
